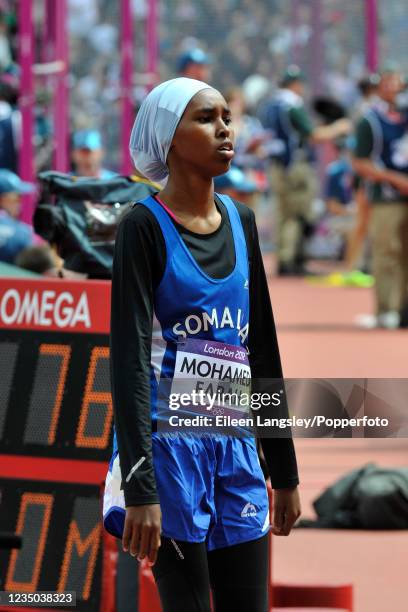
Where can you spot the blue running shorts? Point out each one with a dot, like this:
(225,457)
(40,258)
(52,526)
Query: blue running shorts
(211,489)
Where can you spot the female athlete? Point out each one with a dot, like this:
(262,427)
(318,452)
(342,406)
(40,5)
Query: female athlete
(189,259)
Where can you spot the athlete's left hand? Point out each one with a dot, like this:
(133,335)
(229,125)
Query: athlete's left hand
(286,510)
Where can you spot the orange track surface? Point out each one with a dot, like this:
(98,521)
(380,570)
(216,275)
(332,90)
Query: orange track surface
(318,338)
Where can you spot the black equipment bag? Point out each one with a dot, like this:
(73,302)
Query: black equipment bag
(370,497)
(80,217)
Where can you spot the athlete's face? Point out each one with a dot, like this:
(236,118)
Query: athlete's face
(203,141)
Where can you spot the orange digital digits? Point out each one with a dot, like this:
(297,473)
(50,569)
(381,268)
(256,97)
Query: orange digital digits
(29,500)
(101,398)
(63,351)
(90,542)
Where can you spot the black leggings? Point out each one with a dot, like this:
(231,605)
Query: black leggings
(237,576)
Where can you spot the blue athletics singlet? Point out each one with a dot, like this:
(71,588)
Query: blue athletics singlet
(211,488)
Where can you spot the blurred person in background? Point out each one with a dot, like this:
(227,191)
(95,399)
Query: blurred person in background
(251,144)
(343,214)
(250,136)
(14,234)
(339,191)
(235,184)
(5,50)
(368,88)
(292,174)
(87,155)
(10,124)
(195,64)
(41,259)
(381,159)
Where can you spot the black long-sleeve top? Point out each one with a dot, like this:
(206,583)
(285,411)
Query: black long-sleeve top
(139,264)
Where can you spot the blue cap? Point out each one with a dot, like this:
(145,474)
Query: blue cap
(87,139)
(192,56)
(234,179)
(11,183)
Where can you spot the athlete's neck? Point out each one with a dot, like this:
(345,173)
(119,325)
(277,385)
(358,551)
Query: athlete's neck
(191,198)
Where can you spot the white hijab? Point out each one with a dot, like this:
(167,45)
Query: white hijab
(156,123)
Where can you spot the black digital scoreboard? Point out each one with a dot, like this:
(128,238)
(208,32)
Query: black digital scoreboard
(55,434)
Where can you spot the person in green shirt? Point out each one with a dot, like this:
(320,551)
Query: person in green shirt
(381,159)
(293,177)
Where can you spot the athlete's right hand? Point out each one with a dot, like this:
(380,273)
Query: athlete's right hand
(141,535)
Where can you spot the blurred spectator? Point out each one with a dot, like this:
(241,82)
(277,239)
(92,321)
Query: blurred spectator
(246,38)
(255,89)
(43,259)
(10,127)
(293,178)
(250,135)
(381,157)
(235,184)
(5,51)
(195,64)
(14,235)
(40,259)
(103,38)
(344,217)
(82,16)
(87,155)
(368,88)
(339,183)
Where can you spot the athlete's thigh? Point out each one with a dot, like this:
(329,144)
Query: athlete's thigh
(183,471)
(239,576)
(182,577)
(240,496)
